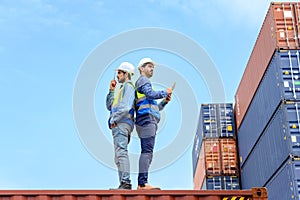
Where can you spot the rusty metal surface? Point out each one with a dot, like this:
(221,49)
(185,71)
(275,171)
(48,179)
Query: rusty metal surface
(255,194)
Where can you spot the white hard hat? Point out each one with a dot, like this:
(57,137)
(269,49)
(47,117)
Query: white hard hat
(126,67)
(146,60)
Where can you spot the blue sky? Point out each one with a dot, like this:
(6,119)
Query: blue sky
(43,46)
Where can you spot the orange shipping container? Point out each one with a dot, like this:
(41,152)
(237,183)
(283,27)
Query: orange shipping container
(212,156)
(253,194)
(229,157)
(209,162)
(218,157)
(279,31)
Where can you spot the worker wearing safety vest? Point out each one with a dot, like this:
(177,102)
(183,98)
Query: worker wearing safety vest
(121,120)
(147,117)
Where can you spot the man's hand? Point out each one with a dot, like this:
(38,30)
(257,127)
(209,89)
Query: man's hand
(168,98)
(113,84)
(169,91)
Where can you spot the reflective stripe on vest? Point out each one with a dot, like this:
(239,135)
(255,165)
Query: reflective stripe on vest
(144,105)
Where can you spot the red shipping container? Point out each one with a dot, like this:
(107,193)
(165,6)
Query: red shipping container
(280,30)
(253,194)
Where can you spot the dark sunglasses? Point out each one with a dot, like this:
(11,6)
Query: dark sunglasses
(119,72)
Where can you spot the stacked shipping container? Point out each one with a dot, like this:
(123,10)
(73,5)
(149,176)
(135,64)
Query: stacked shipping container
(267,106)
(279,142)
(280,83)
(215,154)
(279,31)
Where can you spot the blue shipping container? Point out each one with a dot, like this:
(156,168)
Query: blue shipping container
(208,121)
(226,122)
(221,183)
(285,184)
(280,82)
(215,121)
(280,140)
(212,183)
(231,183)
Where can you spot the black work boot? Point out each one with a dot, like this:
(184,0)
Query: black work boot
(123,186)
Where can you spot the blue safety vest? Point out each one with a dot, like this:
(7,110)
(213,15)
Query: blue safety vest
(146,107)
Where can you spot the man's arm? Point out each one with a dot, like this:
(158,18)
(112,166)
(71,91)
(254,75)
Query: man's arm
(162,104)
(109,100)
(144,87)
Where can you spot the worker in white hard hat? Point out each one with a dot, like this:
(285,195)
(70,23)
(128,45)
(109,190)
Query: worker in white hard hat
(147,118)
(121,120)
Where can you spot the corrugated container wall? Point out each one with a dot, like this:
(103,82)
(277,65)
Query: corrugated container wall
(279,31)
(279,141)
(215,121)
(253,194)
(285,184)
(280,82)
